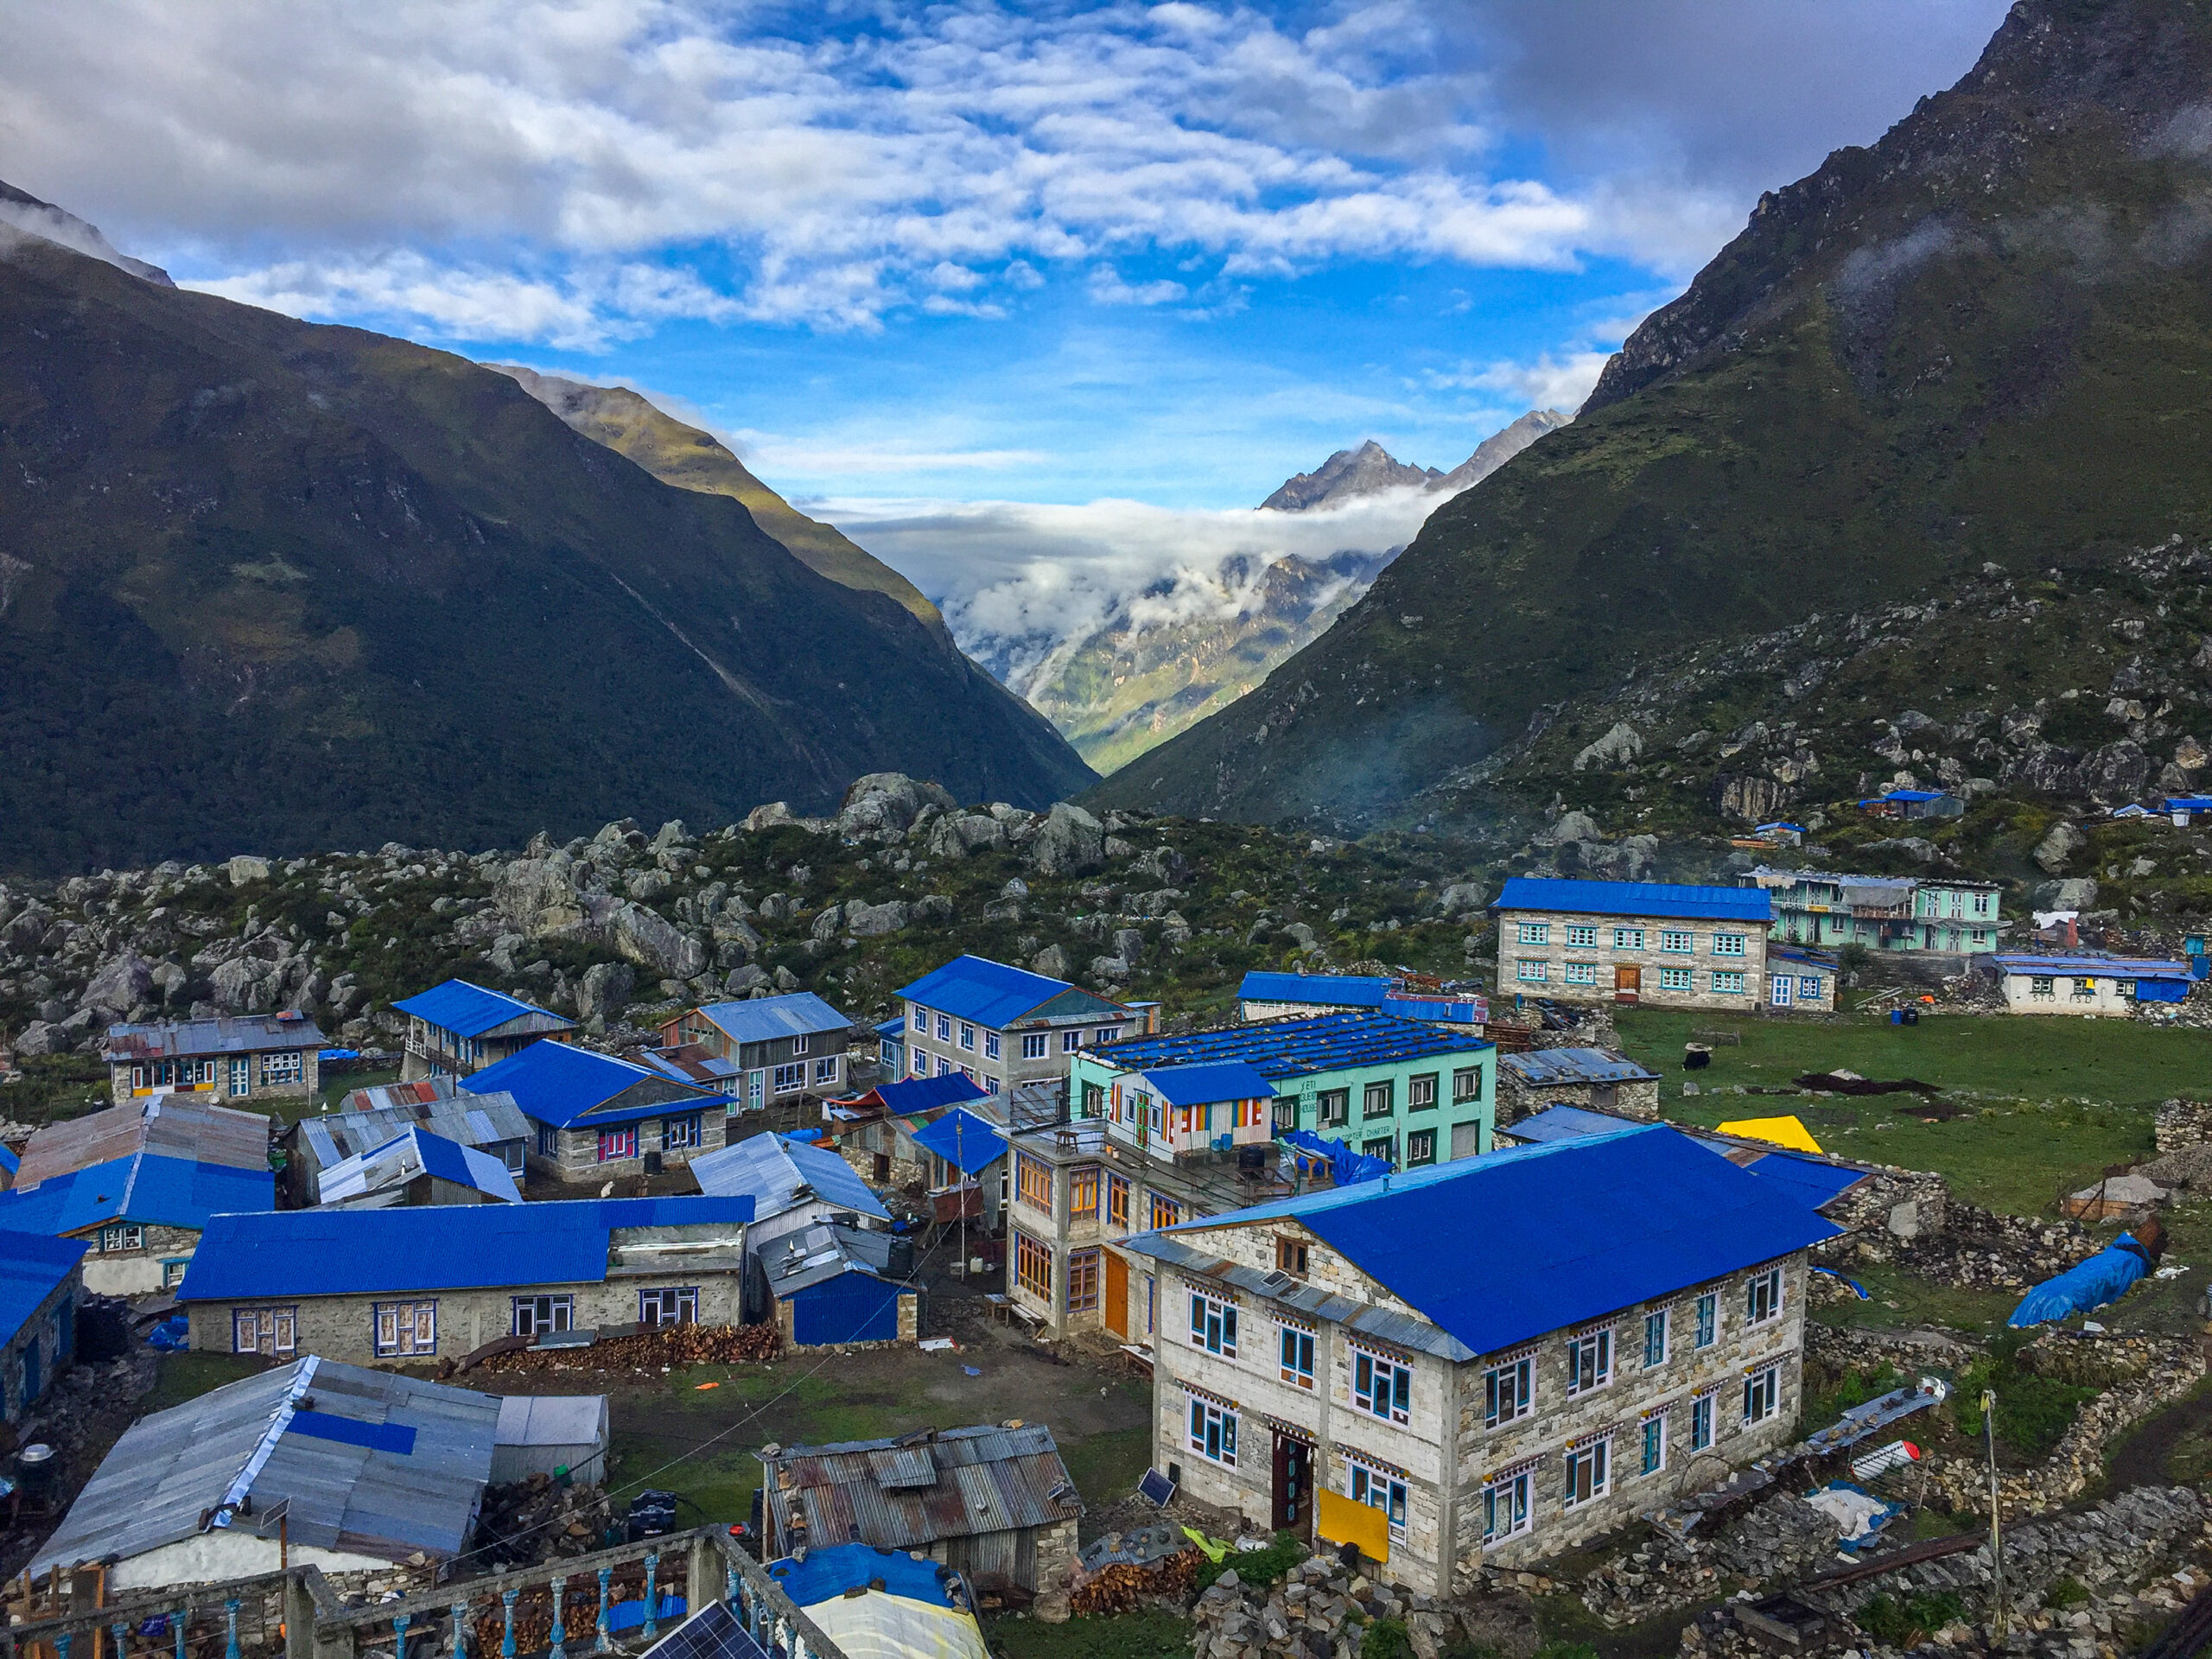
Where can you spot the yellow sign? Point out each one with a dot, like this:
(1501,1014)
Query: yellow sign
(1340,1521)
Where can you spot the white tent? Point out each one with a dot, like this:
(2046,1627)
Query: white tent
(541,1433)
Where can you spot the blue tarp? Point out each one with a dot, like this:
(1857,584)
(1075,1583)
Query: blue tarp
(2161,990)
(2105,1277)
(1345,1165)
(827,1573)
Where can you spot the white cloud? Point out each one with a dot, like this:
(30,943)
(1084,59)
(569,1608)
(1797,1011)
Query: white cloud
(1107,288)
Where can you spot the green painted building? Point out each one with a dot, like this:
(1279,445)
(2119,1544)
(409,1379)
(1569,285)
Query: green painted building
(1883,913)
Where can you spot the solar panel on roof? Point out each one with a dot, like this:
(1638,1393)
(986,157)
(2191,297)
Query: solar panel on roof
(714,1632)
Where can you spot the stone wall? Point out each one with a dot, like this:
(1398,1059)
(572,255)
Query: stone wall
(1318,1611)
(1903,1204)
(1647,958)
(579,1159)
(2184,1124)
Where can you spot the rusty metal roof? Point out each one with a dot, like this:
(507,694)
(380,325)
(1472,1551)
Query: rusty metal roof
(909,1492)
(167,1126)
(243,1033)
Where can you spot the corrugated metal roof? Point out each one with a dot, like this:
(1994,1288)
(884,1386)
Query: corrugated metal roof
(1561,1123)
(431,1247)
(776,1174)
(987,1480)
(552,1420)
(414,1152)
(469,1010)
(235,1446)
(993,995)
(1548,1067)
(1207,1083)
(1381,1324)
(32,1267)
(479,1120)
(571,1087)
(1662,898)
(766,1019)
(1293,1048)
(799,1261)
(970,1144)
(229,1033)
(1777,952)
(1357,991)
(144,1187)
(1511,1245)
(168,1125)
(2107,967)
(912,1095)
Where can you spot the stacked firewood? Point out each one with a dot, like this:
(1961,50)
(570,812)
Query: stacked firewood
(671,1345)
(527,1522)
(1123,1587)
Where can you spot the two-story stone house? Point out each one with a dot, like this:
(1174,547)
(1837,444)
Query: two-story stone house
(1003,1026)
(777,1047)
(1665,943)
(1828,908)
(456,1028)
(1489,1361)
(594,1116)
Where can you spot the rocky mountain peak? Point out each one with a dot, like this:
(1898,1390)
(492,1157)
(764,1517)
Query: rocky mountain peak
(1368,470)
(26,212)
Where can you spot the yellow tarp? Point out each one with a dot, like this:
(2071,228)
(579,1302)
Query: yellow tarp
(1340,1521)
(1785,1131)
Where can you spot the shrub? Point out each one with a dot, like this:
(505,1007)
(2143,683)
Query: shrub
(2066,1593)
(1386,1638)
(1898,1624)
(1257,1567)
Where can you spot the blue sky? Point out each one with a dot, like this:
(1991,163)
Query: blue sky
(965,251)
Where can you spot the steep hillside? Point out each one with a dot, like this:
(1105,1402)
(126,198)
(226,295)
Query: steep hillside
(1986,340)
(631,425)
(269,584)
(1494,451)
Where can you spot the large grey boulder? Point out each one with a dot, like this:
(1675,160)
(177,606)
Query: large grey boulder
(828,921)
(246,867)
(1461,899)
(243,985)
(957,835)
(2061,844)
(1069,842)
(1051,962)
(1129,943)
(119,985)
(1615,748)
(538,895)
(881,805)
(873,921)
(41,1038)
(650,940)
(604,991)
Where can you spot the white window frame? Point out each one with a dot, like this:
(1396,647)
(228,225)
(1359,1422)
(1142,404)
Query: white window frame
(788,1078)
(1652,1439)
(1658,1323)
(1213,1325)
(1708,1320)
(944,1027)
(1467,1084)
(1510,1391)
(1589,1361)
(1762,1395)
(825,1069)
(1070,1040)
(921,1065)
(1036,1044)
(126,1235)
(537,1316)
(990,1045)
(1426,1140)
(669,1305)
(409,1320)
(1204,1415)
(1385,1380)
(799,1044)
(1763,1297)
(922,1021)
(967,1037)
(1701,1423)
(1512,1490)
(1364,1484)
(1293,1345)
(1592,1455)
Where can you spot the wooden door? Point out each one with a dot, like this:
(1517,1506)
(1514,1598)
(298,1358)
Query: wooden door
(1117,1294)
(1628,982)
(1293,1485)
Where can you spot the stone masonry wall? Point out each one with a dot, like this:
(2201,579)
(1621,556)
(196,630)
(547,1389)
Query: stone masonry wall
(2184,1124)
(1649,959)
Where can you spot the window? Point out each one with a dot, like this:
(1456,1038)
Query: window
(678,1133)
(173,1271)
(943,1028)
(1467,1084)
(1376,1100)
(1034,1043)
(1677,979)
(1701,1423)
(1117,1202)
(2042,985)
(122,1238)
(1581,937)
(1421,1092)
(1981,904)
(922,1021)
(1382,1388)
(1421,1147)
(1335,1108)
(825,1069)
(279,1070)
(921,1067)
(1655,1339)
(1728,944)
(1384,1147)
(1654,1445)
(669,1305)
(1675,942)
(1708,1318)
(1164,1213)
(265,1331)
(1296,1349)
(1578,973)
(1380,1491)
(1532,933)
(1033,1267)
(1213,1326)
(1213,1432)
(618,1143)
(1505,1507)
(1107,1034)
(1980,936)
(1082,1281)
(1531,973)
(1808,989)
(990,1045)
(966,1036)
(1727,984)
(549,1140)
(1628,939)
(1093,1101)
(1071,1041)
(1507,1395)
(406,1328)
(1589,1360)
(1762,1296)
(1291,1256)
(1033,1181)
(799,1044)
(537,1316)
(789,1077)
(1586,1472)
(1762,1395)
(1082,1193)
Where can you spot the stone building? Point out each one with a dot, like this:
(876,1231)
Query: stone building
(775,1046)
(417,1283)
(243,1057)
(1268,996)
(1597,1079)
(458,1028)
(1830,908)
(1655,942)
(1001,1026)
(2114,987)
(595,1116)
(1506,1356)
(39,1289)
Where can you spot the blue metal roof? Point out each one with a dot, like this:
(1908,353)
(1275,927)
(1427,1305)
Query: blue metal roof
(428,1247)
(1903,795)
(434,1155)
(559,1083)
(774,1174)
(1296,1048)
(31,1266)
(1810,1181)
(1355,991)
(1205,1083)
(1500,1248)
(1778,952)
(469,1010)
(1561,1123)
(970,1144)
(144,1187)
(766,1019)
(11,1160)
(1662,898)
(1542,1068)
(2099,967)
(993,995)
(910,1094)
(892,1027)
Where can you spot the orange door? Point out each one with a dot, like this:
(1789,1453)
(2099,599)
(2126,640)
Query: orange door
(1117,1294)
(1628,982)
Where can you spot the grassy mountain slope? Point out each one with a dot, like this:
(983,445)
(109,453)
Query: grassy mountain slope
(630,424)
(1986,339)
(271,585)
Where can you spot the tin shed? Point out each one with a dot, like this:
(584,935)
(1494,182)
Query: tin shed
(545,1434)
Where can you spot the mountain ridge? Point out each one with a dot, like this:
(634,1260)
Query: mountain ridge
(1370,468)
